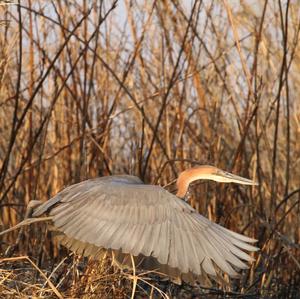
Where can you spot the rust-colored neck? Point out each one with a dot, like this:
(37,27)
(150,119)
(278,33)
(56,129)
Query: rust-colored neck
(190,175)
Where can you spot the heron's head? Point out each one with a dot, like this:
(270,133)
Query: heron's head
(207,172)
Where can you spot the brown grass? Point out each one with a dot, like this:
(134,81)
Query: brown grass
(83,94)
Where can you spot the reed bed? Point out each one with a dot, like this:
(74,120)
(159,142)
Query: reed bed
(93,88)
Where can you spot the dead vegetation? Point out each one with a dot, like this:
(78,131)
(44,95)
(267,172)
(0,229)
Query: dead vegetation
(90,88)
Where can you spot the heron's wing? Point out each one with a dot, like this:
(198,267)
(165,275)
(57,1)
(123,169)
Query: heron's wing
(71,192)
(149,221)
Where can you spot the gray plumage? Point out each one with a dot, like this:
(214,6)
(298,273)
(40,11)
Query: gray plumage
(122,216)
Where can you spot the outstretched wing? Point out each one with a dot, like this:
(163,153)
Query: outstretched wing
(128,217)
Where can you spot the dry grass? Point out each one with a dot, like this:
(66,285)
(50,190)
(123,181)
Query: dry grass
(84,94)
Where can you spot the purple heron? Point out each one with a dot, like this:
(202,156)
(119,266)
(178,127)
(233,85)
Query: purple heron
(127,218)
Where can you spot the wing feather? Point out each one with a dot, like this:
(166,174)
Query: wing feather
(218,241)
(173,256)
(143,247)
(238,236)
(162,248)
(180,250)
(119,240)
(208,267)
(242,244)
(155,239)
(217,256)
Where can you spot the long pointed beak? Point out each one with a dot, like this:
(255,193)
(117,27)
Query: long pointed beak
(226,177)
